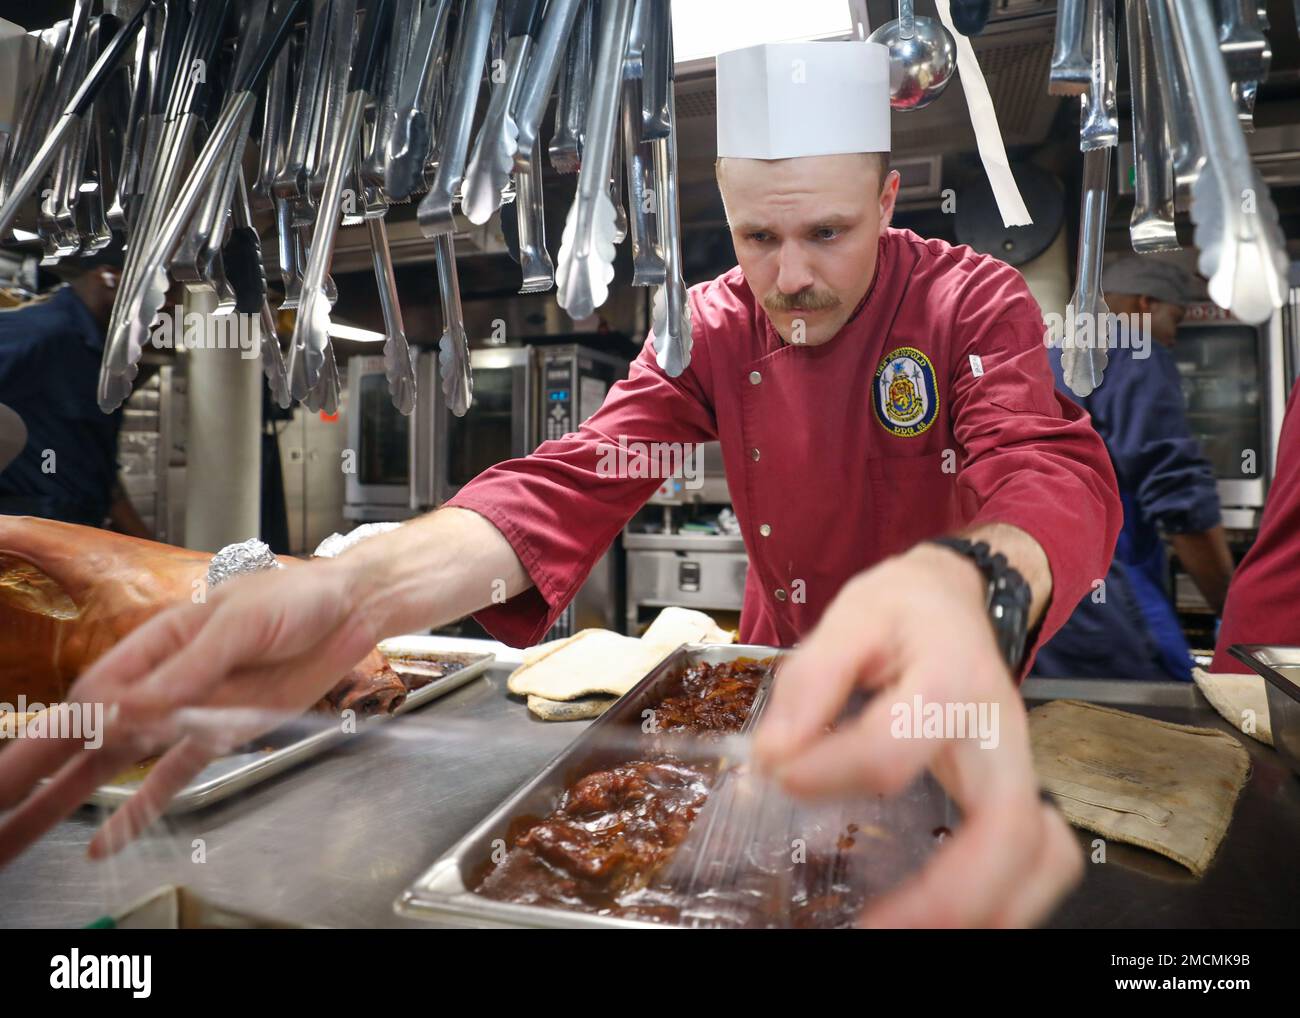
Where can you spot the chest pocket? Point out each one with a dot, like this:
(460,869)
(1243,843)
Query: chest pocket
(913,498)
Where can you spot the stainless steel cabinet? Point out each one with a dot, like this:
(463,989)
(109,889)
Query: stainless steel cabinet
(311,453)
(694,571)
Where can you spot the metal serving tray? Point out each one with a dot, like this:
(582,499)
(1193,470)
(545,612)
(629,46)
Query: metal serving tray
(1280,667)
(279,750)
(442,892)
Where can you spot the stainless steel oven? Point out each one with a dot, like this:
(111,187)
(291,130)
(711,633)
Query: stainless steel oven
(1234,379)
(377,480)
(523,395)
(450,451)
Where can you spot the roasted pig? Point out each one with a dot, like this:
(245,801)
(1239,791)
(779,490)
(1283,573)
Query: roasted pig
(68,593)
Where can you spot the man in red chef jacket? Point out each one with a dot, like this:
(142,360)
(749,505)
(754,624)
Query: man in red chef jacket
(872,390)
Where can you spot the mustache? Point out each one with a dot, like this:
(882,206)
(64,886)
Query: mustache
(806,299)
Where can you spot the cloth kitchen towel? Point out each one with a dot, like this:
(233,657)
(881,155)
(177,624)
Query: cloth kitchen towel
(1170,788)
(1241,699)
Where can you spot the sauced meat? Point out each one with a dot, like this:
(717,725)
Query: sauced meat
(614,829)
(713,698)
(610,832)
(606,846)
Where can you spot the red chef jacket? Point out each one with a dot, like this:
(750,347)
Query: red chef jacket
(932,408)
(1264,596)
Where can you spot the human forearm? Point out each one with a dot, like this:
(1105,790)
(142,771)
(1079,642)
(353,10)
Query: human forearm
(914,630)
(432,571)
(1025,555)
(1208,560)
(1054,483)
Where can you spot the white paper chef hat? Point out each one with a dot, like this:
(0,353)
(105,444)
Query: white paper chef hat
(788,99)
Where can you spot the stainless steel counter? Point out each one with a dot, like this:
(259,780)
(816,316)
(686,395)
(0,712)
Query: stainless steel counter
(1254,881)
(334,842)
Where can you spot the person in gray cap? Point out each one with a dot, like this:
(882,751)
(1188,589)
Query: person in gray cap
(1138,285)
(1127,627)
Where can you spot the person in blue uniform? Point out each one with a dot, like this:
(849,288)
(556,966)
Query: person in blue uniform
(1126,627)
(50,352)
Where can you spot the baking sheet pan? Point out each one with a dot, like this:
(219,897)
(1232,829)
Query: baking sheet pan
(442,892)
(277,751)
(1280,669)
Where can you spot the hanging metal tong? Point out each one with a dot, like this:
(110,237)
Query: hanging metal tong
(586,263)
(144,291)
(397,352)
(69,120)
(571,100)
(1151,226)
(175,111)
(1100,120)
(435,212)
(311,329)
(494,152)
(1242,250)
(1071,72)
(409,140)
(525,120)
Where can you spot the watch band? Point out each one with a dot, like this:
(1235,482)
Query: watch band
(1009,596)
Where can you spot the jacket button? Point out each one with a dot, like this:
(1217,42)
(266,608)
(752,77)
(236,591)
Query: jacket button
(765,530)
(780,593)
(755,378)
(753,454)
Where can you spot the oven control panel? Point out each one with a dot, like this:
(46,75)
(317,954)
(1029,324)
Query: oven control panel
(557,398)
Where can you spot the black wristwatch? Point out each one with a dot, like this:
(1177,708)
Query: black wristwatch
(1009,596)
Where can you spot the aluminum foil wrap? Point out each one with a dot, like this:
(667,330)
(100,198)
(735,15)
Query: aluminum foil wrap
(251,556)
(336,544)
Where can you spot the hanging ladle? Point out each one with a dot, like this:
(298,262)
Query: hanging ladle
(922,58)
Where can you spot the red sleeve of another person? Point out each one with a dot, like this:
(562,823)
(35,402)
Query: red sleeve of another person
(1264,598)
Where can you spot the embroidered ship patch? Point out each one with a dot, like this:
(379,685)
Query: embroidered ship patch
(906,399)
